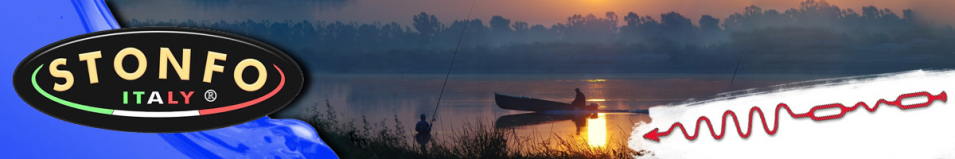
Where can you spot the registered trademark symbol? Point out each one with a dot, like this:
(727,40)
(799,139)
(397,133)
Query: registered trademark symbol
(210,95)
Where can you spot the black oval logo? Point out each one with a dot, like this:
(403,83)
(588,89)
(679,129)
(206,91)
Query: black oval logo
(158,79)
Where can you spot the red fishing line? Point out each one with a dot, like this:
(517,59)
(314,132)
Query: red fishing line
(655,134)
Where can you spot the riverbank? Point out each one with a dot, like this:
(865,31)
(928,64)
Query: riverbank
(476,140)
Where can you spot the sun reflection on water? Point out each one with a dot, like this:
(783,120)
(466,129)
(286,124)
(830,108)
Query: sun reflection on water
(596,100)
(597,131)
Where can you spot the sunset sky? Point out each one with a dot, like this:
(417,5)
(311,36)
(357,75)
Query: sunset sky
(547,12)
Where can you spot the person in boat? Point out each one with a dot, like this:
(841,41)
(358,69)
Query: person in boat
(580,101)
(423,137)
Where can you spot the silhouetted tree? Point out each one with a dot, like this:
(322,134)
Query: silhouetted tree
(709,24)
(744,21)
(368,34)
(710,30)
(520,26)
(677,27)
(639,28)
(612,20)
(588,28)
(426,25)
(500,25)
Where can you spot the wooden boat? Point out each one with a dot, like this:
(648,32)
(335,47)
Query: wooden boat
(512,102)
(530,104)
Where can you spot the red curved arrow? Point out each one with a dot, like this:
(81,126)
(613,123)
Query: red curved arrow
(655,134)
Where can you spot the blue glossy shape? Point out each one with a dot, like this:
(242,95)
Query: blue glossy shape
(27,133)
(94,15)
(262,138)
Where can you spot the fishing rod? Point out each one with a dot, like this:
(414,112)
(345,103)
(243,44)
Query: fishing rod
(734,72)
(452,63)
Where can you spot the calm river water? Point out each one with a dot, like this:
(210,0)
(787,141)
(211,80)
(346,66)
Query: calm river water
(470,99)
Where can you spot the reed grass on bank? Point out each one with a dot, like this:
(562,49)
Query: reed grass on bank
(472,140)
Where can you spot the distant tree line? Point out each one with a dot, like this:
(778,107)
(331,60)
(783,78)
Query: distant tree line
(427,31)
(813,30)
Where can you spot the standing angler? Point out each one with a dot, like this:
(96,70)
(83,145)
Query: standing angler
(424,132)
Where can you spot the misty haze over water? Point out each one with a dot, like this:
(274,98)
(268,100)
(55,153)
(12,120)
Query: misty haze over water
(815,37)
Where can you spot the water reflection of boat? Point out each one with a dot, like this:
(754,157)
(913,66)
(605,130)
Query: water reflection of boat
(530,119)
(590,126)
